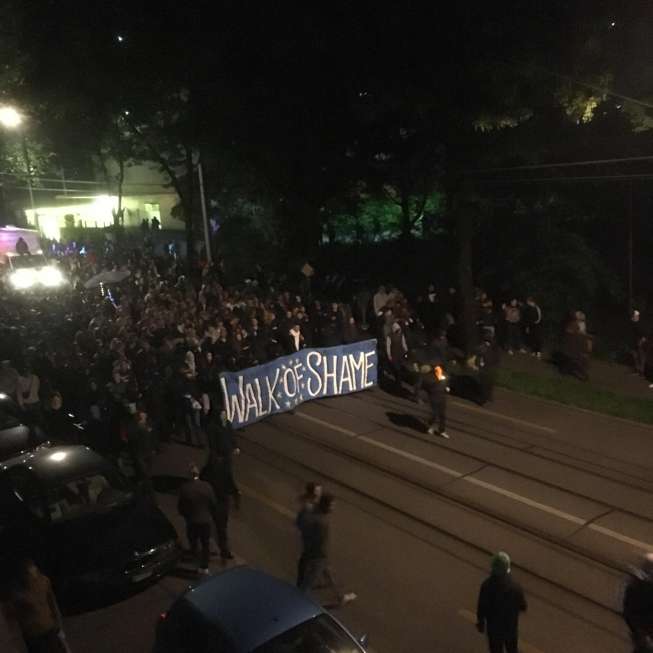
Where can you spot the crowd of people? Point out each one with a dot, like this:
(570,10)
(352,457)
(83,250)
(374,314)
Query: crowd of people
(138,363)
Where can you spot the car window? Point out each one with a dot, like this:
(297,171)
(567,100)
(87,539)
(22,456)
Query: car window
(319,635)
(30,261)
(27,489)
(98,491)
(7,420)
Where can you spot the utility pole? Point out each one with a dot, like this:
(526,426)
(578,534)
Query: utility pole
(205,218)
(28,167)
(630,247)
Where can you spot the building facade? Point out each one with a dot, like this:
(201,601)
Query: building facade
(145,197)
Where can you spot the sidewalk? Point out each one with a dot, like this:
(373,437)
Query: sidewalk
(612,389)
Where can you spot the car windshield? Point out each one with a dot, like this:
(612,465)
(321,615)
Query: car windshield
(97,491)
(28,261)
(319,635)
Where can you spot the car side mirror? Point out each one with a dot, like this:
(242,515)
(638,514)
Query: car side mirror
(364,640)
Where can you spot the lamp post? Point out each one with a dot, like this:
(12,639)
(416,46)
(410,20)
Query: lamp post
(11,119)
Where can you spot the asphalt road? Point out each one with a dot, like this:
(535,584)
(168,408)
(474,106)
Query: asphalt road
(567,493)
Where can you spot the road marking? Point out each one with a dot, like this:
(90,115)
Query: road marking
(622,538)
(411,456)
(333,427)
(268,502)
(579,521)
(514,420)
(526,501)
(525,647)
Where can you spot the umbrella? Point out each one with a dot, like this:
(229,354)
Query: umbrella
(106,277)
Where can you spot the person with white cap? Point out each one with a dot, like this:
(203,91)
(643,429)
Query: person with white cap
(500,601)
(638,605)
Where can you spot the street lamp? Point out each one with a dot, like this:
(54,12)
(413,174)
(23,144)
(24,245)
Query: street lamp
(12,119)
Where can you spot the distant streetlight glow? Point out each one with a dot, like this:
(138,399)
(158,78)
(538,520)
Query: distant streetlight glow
(120,38)
(10,118)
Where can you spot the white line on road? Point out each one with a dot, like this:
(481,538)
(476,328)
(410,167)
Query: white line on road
(525,647)
(333,427)
(622,538)
(410,456)
(579,521)
(514,420)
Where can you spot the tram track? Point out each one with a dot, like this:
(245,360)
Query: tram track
(525,451)
(601,564)
(643,482)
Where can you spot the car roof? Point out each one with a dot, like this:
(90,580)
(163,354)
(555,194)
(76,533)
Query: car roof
(52,464)
(249,606)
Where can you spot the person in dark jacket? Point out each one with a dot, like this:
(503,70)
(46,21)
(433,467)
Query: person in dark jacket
(198,506)
(638,342)
(436,384)
(316,529)
(222,440)
(216,473)
(500,601)
(638,605)
(396,350)
(307,502)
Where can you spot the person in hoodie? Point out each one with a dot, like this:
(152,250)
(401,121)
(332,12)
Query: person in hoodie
(500,602)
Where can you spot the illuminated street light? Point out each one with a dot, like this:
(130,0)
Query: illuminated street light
(10,118)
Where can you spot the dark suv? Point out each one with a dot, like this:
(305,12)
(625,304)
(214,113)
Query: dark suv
(74,513)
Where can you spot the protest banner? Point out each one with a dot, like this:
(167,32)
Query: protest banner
(281,385)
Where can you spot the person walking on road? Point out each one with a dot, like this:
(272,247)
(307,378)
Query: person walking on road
(307,502)
(316,528)
(222,440)
(216,472)
(638,606)
(198,506)
(436,385)
(500,601)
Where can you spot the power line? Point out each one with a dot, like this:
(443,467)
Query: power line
(579,82)
(566,179)
(60,180)
(567,164)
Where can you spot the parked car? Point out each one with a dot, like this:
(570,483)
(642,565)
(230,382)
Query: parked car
(247,611)
(81,520)
(19,432)
(16,434)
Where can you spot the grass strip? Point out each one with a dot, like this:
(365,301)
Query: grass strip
(569,391)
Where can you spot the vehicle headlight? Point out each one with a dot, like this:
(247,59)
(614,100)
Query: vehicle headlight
(22,279)
(51,276)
